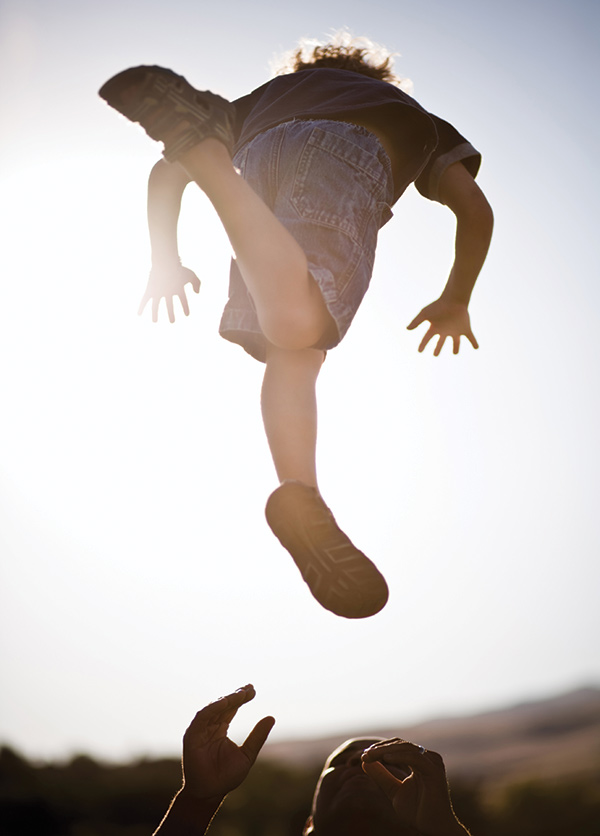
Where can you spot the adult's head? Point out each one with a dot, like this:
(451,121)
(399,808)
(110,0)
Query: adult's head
(347,801)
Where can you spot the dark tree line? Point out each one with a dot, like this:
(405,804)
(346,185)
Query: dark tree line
(87,798)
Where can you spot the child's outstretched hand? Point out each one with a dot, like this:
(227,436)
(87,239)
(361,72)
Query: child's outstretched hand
(213,765)
(168,281)
(446,319)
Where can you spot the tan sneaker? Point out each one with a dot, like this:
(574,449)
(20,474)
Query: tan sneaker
(169,109)
(341,578)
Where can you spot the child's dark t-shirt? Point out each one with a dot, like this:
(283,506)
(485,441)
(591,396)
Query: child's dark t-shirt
(429,144)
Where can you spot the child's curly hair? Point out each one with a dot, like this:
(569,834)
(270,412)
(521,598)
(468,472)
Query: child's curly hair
(343,52)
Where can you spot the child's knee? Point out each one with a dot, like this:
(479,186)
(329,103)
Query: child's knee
(303,362)
(298,328)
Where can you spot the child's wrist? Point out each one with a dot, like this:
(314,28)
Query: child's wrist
(454,296)
(165,261)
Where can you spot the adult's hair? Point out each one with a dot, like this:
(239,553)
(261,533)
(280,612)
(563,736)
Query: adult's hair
(343,52)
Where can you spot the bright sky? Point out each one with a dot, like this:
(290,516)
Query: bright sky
(139,578)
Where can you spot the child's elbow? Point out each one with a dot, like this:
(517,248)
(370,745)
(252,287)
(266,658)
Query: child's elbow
(484,214)
(476,213)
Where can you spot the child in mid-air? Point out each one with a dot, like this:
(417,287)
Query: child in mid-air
(302,173)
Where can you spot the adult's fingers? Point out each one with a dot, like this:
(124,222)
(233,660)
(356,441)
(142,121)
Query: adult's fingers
(405,754)
(378,751)
(382,777)
(225,708)
(241,695)
(383,744)
(257,737)
(395,749)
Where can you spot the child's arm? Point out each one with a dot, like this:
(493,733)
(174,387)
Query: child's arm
(168,278)
(448,316)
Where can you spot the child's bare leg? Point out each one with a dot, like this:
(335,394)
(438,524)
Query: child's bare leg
(288,302)
(289,410)
(340,576)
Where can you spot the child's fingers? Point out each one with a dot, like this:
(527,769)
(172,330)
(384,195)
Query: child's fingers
(184,302)
(419,318)
(426,338)
(143,303)
(189,277)
(439,346)
(195,282)
(170,311)
(471,338)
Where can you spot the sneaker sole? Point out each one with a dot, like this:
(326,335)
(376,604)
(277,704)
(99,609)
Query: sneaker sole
(341,578)
(163,98)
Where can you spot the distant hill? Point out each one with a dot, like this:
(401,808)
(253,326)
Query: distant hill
(542,740)
(528,770)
